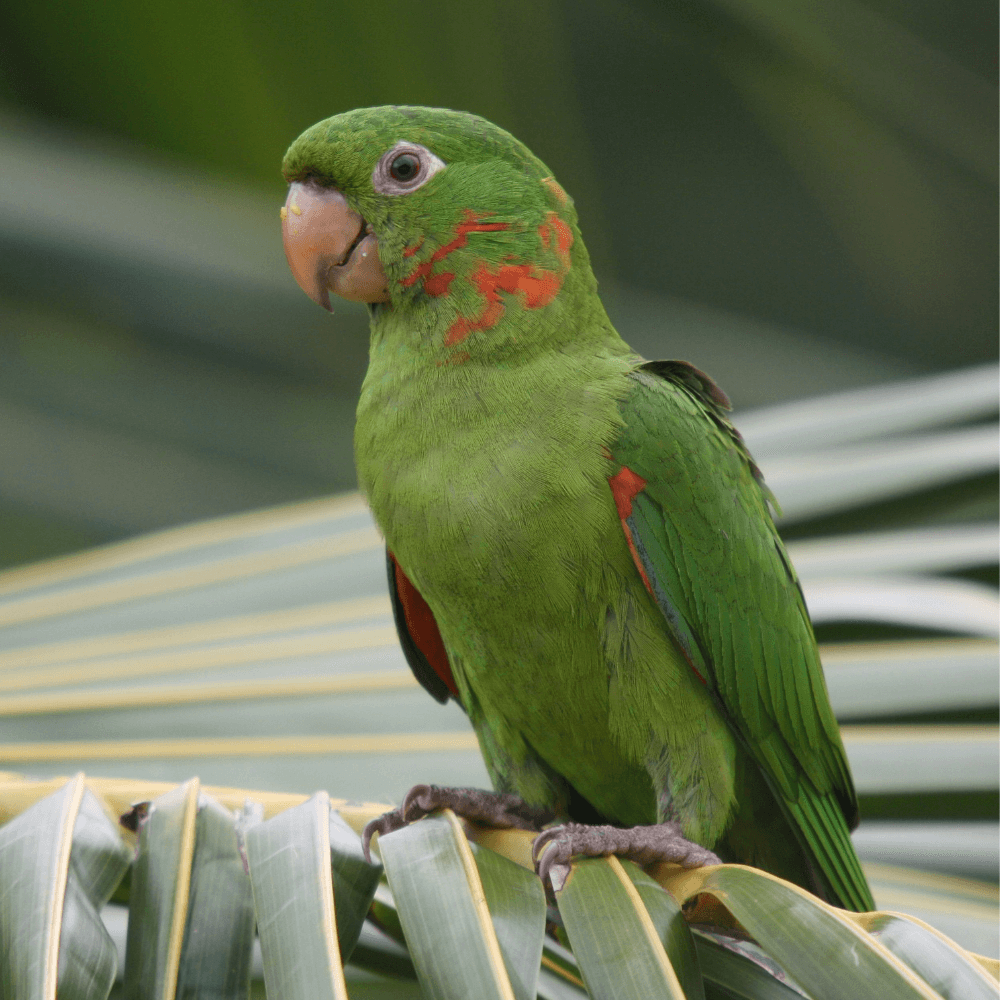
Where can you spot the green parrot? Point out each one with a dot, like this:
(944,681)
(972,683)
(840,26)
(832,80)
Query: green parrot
(580,549)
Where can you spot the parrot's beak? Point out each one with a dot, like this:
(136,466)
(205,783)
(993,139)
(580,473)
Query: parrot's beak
(329,247)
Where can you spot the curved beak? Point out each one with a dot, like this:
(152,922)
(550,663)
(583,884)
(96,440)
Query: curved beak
(329,247)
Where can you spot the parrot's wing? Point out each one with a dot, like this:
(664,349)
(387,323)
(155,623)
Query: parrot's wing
(695,513)
(419,635)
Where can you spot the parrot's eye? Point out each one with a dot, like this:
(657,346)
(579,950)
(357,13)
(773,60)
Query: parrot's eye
(404,168)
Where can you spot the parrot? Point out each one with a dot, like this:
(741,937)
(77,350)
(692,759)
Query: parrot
(580,550)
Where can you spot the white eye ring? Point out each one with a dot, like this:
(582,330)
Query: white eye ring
(385,183)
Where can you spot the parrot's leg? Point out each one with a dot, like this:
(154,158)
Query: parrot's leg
(501,809)
(641,844)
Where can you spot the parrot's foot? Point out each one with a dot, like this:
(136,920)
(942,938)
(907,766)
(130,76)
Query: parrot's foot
(641,844)
(501,809)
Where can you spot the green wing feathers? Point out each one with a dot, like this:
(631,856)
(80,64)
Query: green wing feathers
(701,530)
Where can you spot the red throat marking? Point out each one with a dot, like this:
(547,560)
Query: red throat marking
(537,286)
(470,224)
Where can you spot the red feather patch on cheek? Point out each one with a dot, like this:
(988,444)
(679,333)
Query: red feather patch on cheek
(538,290)
(458,358)
(538,287)
(471,223)
(554,226)
(437,284)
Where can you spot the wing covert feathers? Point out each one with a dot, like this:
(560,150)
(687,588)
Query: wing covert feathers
(703,537)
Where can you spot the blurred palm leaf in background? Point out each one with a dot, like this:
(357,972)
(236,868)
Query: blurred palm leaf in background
(796,200)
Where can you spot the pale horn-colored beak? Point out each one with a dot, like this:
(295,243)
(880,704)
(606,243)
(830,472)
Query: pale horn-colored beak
(329,247)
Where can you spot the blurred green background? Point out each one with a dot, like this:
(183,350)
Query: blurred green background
(796,197)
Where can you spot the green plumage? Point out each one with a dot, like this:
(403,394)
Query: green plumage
(485,441)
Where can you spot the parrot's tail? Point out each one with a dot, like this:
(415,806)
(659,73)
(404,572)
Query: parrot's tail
(824,833)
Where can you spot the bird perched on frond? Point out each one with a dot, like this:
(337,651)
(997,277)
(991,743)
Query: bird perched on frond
(580,549)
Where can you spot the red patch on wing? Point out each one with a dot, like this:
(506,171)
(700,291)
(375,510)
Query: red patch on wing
(423,628)
(537,286)
(625,486)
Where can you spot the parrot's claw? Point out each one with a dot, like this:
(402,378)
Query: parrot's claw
(386,823)
(501,809)
(554,848)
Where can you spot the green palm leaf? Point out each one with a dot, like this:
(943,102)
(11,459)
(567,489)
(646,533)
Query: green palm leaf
(161,883)
(618,945)
(439,892)
(98,860)
(60,860)
(456,900)
(219,929)
(289,861)
(842,957)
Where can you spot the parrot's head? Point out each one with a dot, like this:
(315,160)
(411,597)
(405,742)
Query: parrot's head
(435,213)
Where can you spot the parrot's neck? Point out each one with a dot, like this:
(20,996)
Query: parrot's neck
(439,442)
(418,371)
(493,288)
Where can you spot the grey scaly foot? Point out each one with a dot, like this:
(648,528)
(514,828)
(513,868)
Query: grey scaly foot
(501,809)
(641,844)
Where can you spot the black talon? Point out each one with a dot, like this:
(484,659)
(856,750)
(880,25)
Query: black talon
(386,823)
(545,837)
(411,809)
